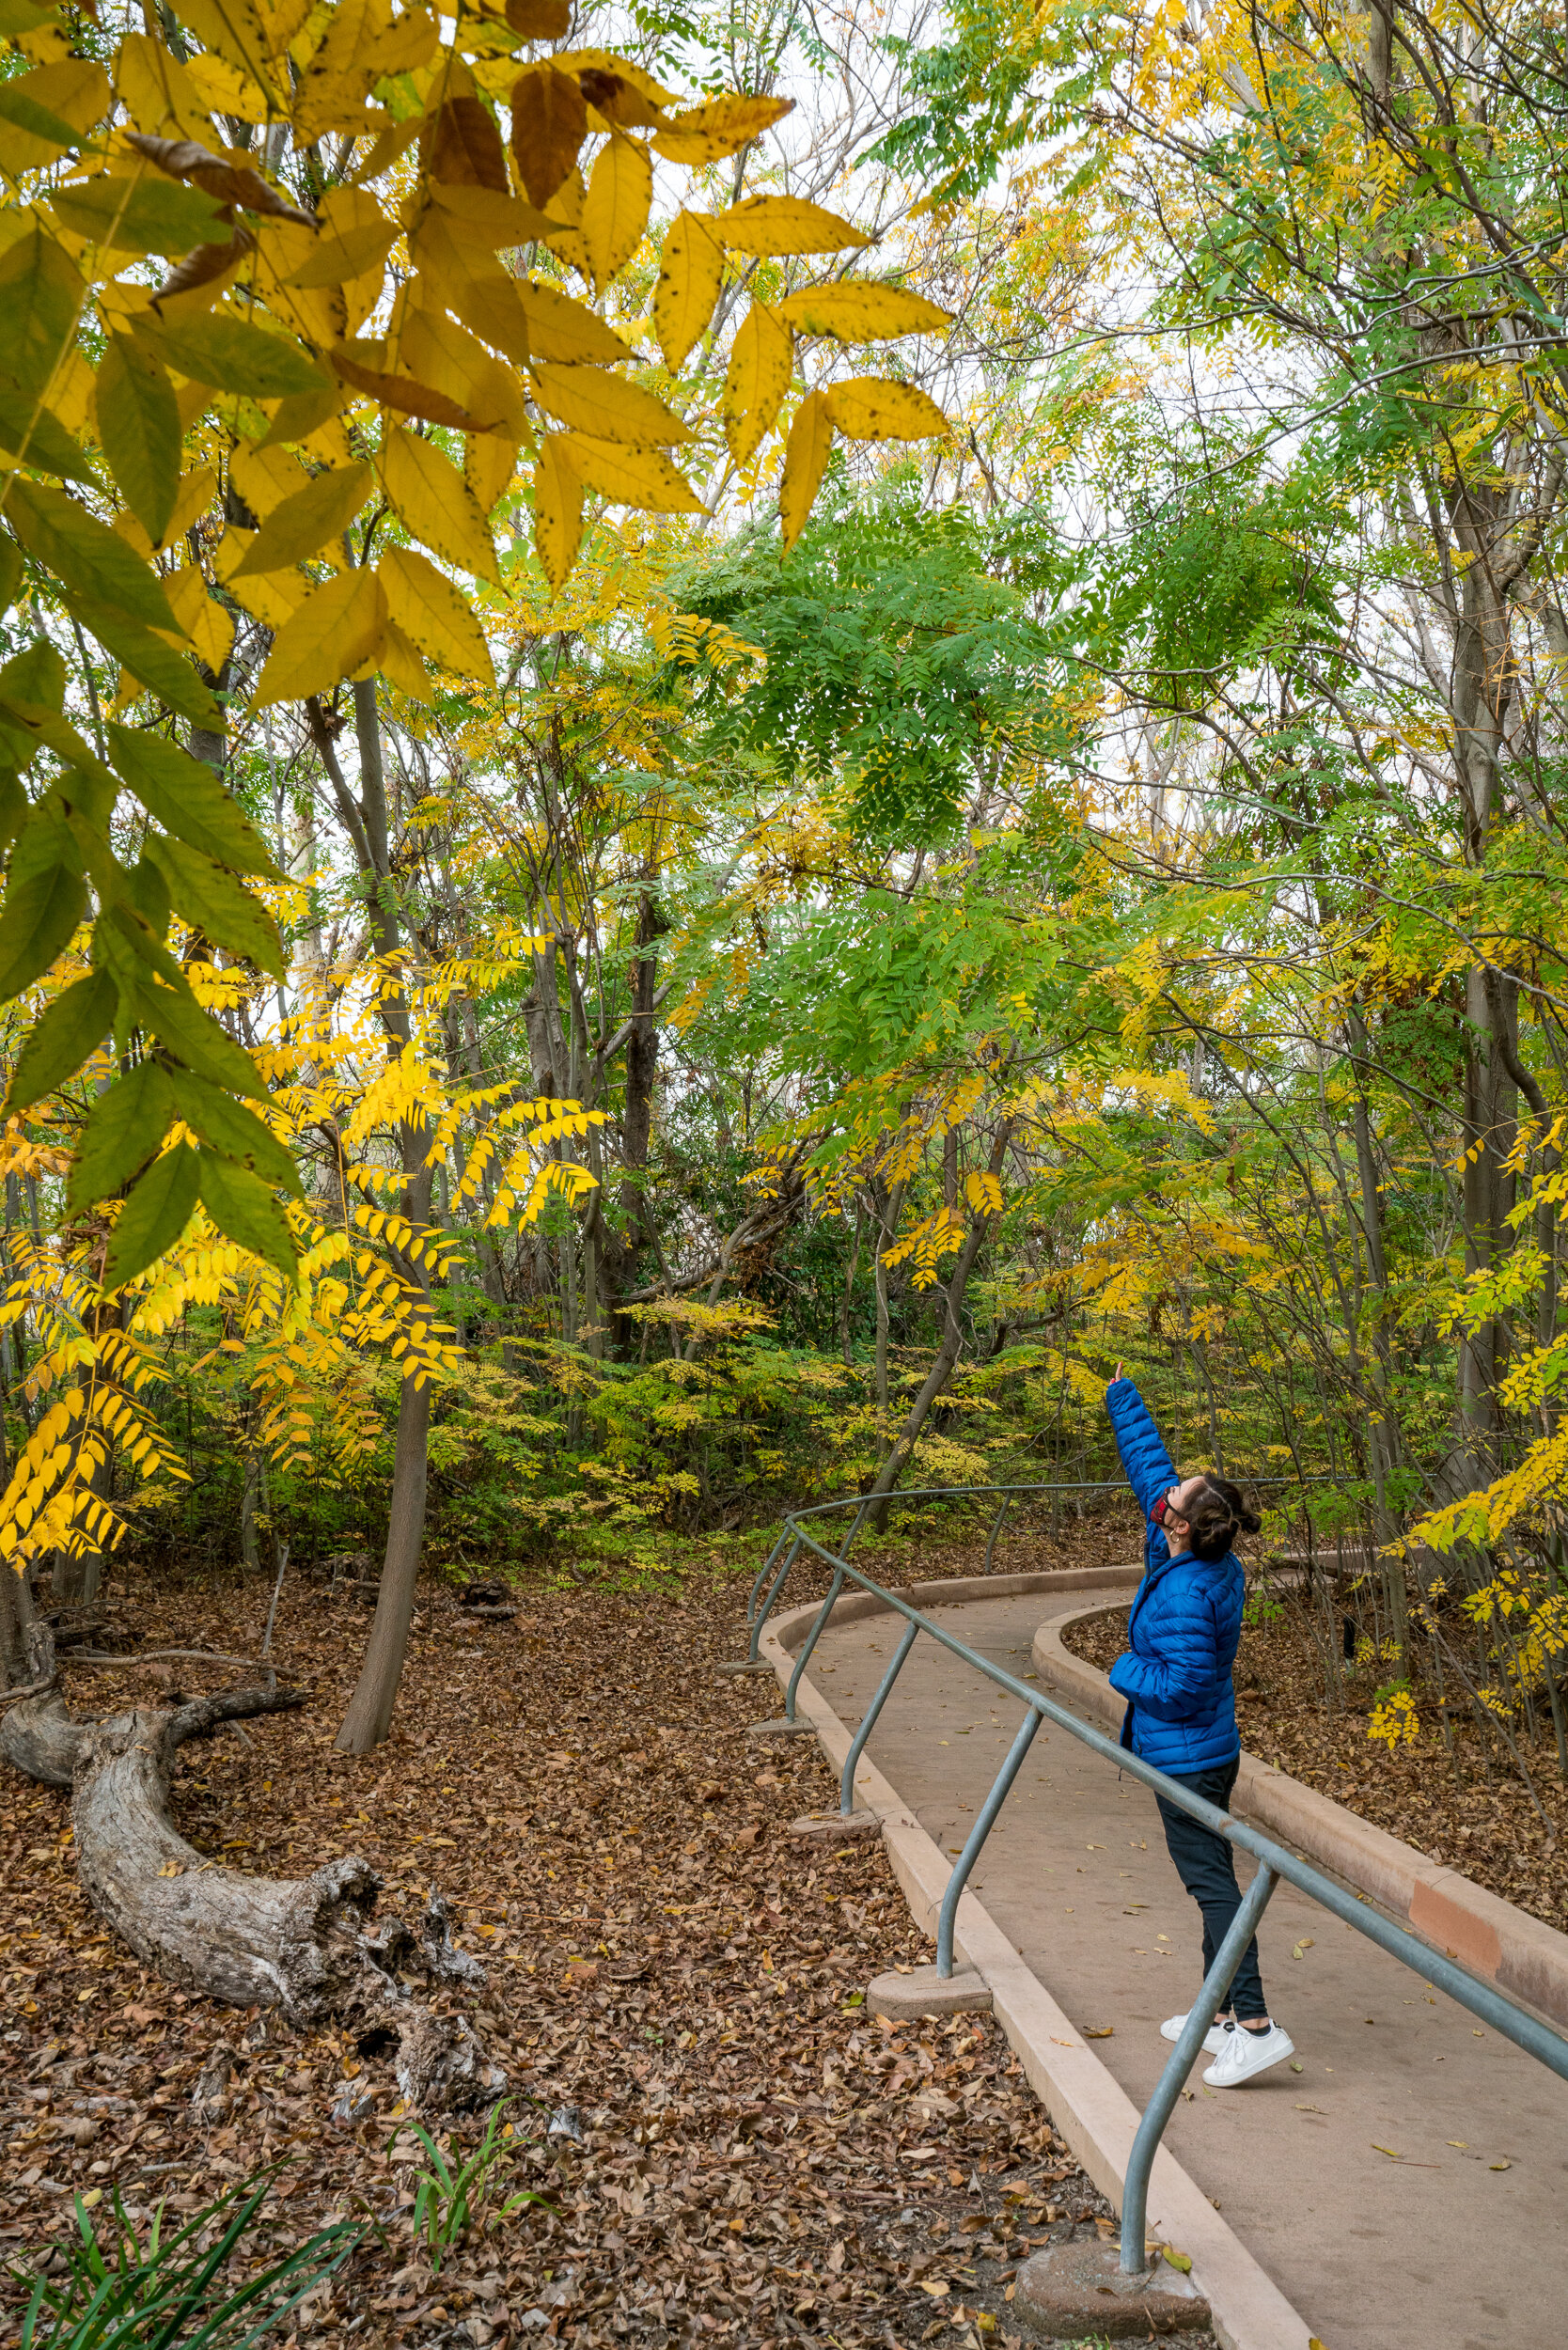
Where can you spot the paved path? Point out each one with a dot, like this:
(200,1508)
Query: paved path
(1430,2246)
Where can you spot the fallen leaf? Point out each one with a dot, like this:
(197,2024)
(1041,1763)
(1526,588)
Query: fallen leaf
(1099,2031)
(1178,2260)
(1500,2166)
(1302,1947)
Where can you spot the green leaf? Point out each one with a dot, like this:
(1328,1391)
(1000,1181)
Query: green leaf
(233,1130)
(241,1205)
(36,674)
(31,432)
(45,899)
(70,1032)
(232,355)
(86,555)
(42,293)
(149,895)
(211,900)
(13,809)
(167,673)
(148,214)
(125,1126)
(175,1015)
(10,571)
(188,800)
(37,121)
(154,1216)
(138,424)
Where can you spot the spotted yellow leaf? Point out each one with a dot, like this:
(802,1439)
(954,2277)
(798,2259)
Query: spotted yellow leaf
(859,312)
(210,628)
(591,400)
(431,499)
(615,212)
(307,521)
(804,457)
(690,271)
(335,633)
(702,134)
(785,224)
(756,380)
(868,408)
(431,611)
(557,512)
(642,477)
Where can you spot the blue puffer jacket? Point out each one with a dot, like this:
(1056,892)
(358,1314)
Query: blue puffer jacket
(1184,1626)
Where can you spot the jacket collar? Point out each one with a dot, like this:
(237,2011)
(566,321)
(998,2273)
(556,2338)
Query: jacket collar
(1177,1559)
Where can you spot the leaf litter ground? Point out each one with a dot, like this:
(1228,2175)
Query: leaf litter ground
(727,2146)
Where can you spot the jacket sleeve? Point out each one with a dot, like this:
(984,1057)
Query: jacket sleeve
(1170,1688)
(1148,1465)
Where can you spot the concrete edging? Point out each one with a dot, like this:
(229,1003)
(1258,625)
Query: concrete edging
(1482,1931)
(1093,2114)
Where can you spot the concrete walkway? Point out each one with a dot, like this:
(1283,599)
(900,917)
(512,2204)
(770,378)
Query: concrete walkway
(1407,2188)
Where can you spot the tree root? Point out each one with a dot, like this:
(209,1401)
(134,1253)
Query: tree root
(303,1946)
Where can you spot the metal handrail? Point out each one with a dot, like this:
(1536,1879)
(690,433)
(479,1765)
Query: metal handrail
(1514,2023)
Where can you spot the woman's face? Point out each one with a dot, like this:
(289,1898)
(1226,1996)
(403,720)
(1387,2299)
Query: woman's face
(1174,1525)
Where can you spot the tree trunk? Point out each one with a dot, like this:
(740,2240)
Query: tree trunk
(300,1946)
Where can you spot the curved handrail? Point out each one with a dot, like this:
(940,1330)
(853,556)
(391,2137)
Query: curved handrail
(1505,2015)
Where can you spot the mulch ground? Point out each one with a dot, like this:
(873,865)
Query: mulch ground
(724,2144)
(1465,1808)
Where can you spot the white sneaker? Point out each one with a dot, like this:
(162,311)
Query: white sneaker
(1246,2052)
(1213,2038)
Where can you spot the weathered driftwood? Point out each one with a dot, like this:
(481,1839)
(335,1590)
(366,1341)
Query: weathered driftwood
(302,1946)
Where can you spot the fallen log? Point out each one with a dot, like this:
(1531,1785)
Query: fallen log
(303,1947)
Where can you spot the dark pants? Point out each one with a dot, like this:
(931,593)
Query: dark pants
(1207,1868)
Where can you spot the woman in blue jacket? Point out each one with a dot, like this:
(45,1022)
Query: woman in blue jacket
(1182,1637)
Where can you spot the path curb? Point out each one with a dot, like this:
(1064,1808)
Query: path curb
(1093,2113)
(1503,1944)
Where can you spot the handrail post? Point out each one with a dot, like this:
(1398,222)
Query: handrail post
(996,1529)
(811,1638)
(754,1651)
(977,1835)
(857,1744)
(762,1571)
(1157,2112)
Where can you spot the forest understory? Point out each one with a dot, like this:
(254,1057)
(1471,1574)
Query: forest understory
(1470,1809)
(724,2144)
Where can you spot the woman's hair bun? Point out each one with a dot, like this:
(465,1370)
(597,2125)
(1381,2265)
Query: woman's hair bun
(1216,1515)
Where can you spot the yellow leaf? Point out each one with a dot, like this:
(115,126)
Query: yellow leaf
(489,463)
(272,599)
(564,330)
(631,477)
(225,90)
(868,408)
(364,365)
(557,512)
(322,511)
(702,134)
(439,352)
(566,206)
(859,312)
(431,499)
(236,30)
(785,224)
(332,80)
(466,277)
(265,477)
(576,61)
(804,457)
(210,628)
(401,664)
(316,312)
(336,632)
(593,400)
(73,88)
(158,93)
(549,123)
(690,270)
(356,237)
(427,609)
(983,1191)
(495,223)
(1177,2260)
(756,380)
(615,212)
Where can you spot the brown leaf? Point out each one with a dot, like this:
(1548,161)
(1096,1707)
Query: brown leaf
(616,99)
(206,261)
(465,147)
(401,392)
(549,123)
(232,183)
(539,20)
